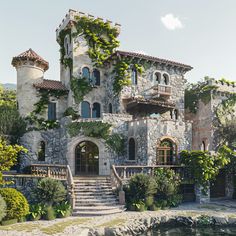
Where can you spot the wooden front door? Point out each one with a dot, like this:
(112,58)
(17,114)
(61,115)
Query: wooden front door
(217,188)
(86,159)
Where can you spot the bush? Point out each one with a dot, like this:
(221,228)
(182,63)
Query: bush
(49,213)
(63,209)
(49,191)
(141,187)
(17,205)
(36,211)
(3,207)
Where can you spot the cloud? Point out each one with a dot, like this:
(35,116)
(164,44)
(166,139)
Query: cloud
(171,22)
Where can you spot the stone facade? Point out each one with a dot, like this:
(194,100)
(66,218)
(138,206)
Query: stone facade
(150,111)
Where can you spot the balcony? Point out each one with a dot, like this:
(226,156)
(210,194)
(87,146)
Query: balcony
(161,90)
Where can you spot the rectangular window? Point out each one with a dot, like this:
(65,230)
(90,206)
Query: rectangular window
(52,112)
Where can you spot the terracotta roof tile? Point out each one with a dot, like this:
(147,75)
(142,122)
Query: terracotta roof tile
(30,55)
(51,85)
(151,58)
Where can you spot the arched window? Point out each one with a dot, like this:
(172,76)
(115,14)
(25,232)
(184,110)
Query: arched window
(171,114)
(203,146)
(86,73)
(41,151)
(166,79)
(176,113)
(110,108)
(67,44)
(85,110)
(166,153)
(96,77)
(96,113)
(157,78)
(134,77)
(131,149)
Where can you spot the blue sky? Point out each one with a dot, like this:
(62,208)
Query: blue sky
(199,33)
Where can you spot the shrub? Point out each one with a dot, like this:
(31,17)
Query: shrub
(168,183)
(3,207)
(36,211)
(141,187)
(17,205)
(49,213)
(49,191)
(63,209)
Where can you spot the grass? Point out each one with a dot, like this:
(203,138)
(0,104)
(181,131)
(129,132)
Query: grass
(27,227)
(61,226)
(112,223)
(212,207)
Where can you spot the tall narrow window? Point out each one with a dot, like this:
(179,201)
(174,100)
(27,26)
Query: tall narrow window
(134,77)
(110,108)
(166,79)
(52,111)
(85,110)
(96,113)
(157,78)
(96,77)
(131,149)
(41,151)
(203,146)
(176,114)
(86,73)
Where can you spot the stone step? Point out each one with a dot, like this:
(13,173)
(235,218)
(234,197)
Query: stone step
(98,208)
(92,187)
(97,213)
(80,203)
(97,194)
(103,199)
(93,184)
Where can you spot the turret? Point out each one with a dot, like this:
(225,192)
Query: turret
(30,69)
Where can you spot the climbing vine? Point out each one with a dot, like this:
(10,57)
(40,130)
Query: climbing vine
(204,166)
(196,92)
(40,107)
(225,81)
(98,129)
(80,87)
(102,41)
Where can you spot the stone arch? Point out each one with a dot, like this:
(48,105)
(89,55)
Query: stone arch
(104,162)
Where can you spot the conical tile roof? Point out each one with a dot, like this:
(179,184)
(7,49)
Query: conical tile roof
(32,56)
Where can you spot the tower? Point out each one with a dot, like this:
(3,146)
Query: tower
(30,69)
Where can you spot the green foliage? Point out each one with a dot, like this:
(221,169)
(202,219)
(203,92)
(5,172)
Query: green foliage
(7,97)
(204,220)
(116,142)
(194,93)
(36,211)
(122,73)
(98,129)
(3,208)
(49,213)
(141,187)
(225,81)
(204,166)
(17,205)
(168,183)
(49,191)
(100,36)
(8,156)
(63,209)
(71,112)
(80,87)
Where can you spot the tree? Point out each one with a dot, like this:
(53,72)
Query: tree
(11,124)
(8,156)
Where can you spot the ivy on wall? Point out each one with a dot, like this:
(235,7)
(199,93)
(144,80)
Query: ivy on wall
(102,41)
(98,129)
(196,92)
(40,108)
(80,87)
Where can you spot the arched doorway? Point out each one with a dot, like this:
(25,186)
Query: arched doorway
(166,152)
(86,159)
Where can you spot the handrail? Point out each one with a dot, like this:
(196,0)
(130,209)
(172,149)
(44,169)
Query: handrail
(49,165)
(70,182)
(117,177)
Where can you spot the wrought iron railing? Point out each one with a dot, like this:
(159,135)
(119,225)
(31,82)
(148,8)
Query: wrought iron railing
(162,89)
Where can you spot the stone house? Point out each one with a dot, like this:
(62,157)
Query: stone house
(149,113)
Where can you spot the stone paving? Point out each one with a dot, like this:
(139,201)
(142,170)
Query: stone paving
(81,226)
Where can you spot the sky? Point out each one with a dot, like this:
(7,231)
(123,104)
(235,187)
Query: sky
(198,33)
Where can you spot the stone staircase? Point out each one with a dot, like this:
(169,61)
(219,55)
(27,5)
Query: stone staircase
(94,197)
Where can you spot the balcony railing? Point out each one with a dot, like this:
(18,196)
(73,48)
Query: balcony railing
(161,89)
